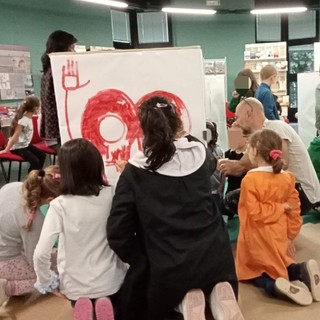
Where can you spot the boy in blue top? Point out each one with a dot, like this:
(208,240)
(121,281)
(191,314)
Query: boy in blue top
(268,75)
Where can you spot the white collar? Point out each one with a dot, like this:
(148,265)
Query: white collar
(188,158)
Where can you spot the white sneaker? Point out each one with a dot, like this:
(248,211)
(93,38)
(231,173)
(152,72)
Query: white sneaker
(193,305)
(3,295)
(295,291)
(223,303)
(310,275)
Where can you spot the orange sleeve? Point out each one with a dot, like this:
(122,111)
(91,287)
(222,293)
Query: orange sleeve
(249,204)
(294,217)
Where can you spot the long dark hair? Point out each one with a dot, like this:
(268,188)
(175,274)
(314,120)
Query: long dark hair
(81,168)
(254,83)
(160,124)
(58,41)
(30,104)
(212,126)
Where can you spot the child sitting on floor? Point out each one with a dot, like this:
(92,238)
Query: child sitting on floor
(229,205)
(216,179)
(269,214)
(89,271)
(20,227)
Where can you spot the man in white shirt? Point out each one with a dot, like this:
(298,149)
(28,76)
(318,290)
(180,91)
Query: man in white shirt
(250,117)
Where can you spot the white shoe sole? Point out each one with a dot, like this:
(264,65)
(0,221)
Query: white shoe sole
(193,305)
(314,274)
(296,294)
(223,303)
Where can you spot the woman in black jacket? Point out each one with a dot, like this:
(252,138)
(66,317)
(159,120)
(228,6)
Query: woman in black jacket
(162,223)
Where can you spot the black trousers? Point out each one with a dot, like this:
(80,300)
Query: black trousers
(33,155)
(306,205)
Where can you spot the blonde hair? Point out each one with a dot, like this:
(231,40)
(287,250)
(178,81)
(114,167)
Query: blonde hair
(267,72)
(39,185)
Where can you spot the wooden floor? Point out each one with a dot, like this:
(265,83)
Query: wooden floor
(254,304)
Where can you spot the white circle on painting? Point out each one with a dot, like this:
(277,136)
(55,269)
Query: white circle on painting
(112,128)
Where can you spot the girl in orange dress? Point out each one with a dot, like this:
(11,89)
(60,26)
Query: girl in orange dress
(269,214)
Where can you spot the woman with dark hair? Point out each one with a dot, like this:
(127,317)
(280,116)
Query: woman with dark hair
(58,41)
(162,223)
(89,271)
(248,88)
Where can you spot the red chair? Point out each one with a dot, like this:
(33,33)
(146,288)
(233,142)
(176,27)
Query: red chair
(8,156)
(40,143)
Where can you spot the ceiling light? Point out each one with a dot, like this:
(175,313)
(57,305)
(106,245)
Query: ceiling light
(189,11)
(109,3)
(279,10)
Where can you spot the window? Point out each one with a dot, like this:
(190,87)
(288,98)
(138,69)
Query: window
(152,27)
(268,27)
(120,23)
(302,25)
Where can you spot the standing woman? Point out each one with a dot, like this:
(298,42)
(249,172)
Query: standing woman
(240,93)
(58,41)
(162,223)
(21,132)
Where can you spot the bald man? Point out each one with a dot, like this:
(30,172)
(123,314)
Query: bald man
(250,117)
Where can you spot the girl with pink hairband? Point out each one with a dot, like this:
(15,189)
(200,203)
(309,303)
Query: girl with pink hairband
(269,214)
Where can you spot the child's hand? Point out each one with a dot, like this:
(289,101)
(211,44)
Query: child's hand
(120,164)
(291,249)
(286,206)
(57,293)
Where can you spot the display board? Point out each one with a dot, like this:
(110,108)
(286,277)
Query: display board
(216,95)
(15,72)
(258,55)
(98,94)
(307,83)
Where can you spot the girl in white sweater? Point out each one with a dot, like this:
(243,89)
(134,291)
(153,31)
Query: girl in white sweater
(89,271)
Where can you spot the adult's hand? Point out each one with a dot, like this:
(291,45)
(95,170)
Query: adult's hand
(228,167)
(235,167)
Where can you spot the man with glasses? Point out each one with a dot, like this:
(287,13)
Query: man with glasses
(250,117)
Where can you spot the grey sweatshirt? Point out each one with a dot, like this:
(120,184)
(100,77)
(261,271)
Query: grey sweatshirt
(14,239)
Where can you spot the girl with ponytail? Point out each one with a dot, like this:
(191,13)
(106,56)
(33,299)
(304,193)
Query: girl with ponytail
(269,214)
(164,225)
(20,226)
(21,132)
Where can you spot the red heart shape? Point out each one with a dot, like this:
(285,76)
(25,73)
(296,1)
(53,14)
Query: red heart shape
(116,103)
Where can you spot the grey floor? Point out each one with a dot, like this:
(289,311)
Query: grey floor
(254,303)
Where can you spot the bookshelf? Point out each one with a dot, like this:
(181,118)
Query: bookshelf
(258,55)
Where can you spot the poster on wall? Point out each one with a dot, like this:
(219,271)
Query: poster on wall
(98,94)
(15,72)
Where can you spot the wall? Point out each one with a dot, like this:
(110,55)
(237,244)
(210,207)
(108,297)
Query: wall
(219,36)
(29,23)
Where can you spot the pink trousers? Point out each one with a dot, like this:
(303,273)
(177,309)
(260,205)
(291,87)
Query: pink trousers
(19,274)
